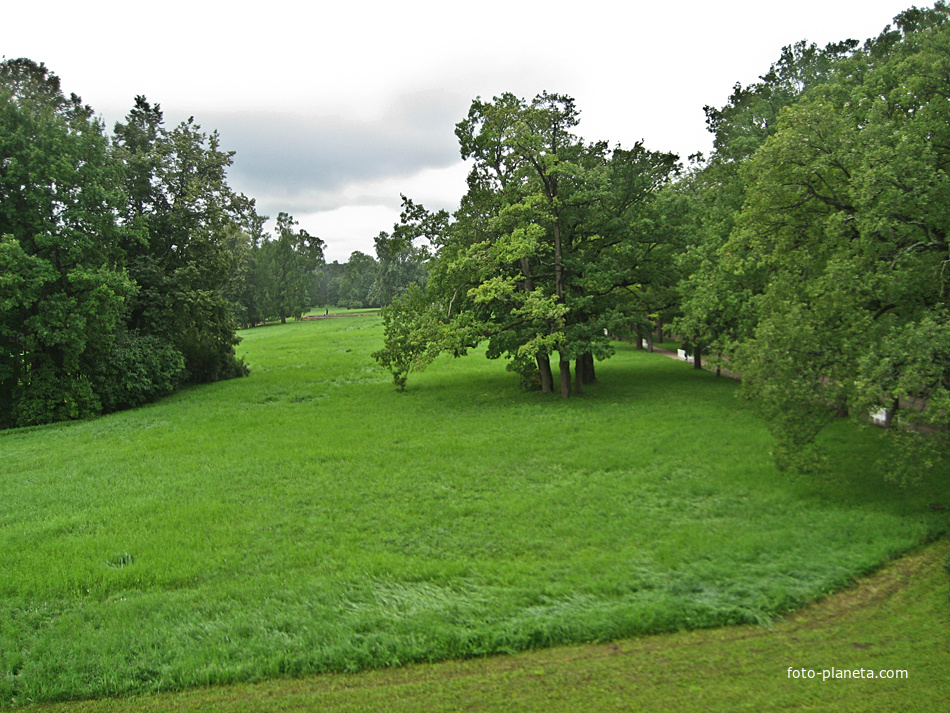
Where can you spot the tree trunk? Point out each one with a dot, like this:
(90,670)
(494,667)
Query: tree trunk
(589,375)
(698,357)
(841,407)
(564,366)
(547,378)
(639,339)
(558,263)
(891,413)
(528,277)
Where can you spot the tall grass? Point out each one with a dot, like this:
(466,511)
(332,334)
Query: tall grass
(310,518)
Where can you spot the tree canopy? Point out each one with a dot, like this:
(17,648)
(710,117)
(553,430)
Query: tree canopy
(556,244)
(824,280)
(113,254)
(63,286)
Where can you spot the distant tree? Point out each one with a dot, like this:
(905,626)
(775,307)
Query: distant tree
(293,259)
(356,283)
(328,279)
(248,283)
(398,264)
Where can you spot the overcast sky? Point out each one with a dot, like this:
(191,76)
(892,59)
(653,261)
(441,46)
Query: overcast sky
(334,109)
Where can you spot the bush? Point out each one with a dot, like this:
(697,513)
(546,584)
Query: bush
(527,368)
(48,395)
(140,369)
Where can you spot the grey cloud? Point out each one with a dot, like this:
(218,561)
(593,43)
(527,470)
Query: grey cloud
(307,160)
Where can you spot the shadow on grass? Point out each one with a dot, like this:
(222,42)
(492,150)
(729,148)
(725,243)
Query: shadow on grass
(855,471)
(656,379)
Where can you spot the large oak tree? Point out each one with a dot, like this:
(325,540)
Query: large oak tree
(550,251)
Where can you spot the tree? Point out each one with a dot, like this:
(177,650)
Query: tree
(844,212)
(548,245)
(63,289)
(328,279)
(292,261)
(414,335)
(717,295)
(181,212)
(248,283)
(398,264)
(356,283)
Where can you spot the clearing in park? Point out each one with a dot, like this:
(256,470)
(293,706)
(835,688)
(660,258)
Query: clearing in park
(310,519)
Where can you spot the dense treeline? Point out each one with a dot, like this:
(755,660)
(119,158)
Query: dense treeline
(127,262)
(809,250)
(114,253)
(819,266)
(367,282)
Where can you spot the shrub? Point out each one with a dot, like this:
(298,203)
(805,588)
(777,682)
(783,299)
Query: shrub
(141,368)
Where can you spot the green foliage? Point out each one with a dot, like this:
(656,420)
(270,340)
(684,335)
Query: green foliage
(185,214)
(366,282)
(289,265)
(398,264)
(719,287)
(356,283)
(415,334)
(827,290)
(783,374)
(63,290)
(101,240)
(555,244)
(850,228)
(527,368)
(751,116)
(140,369)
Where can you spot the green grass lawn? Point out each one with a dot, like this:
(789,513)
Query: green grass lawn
(896,620)
(309,518)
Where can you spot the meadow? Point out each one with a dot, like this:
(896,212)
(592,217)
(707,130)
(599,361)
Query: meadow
(311,519)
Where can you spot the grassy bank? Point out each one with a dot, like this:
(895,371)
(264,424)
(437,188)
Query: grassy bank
(309,518)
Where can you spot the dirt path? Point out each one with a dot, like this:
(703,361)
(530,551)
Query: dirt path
(311,317)
(673,355)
